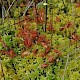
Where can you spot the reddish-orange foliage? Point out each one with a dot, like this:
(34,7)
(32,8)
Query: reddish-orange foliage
(11,53)
(22,5)
(28,42)
(40,17)
(4,44)
(78,4)
(68,25)
(27,33)
(57,51)
(44,65)
(47,49)
(58,19)
(35,51)
(33,34)
(50,27)
(42,38)
(3,52)
(42,55)
(75,37)
(62,28)
(28,36)
(50,59)
(25,54)
(44,44)
(22,32)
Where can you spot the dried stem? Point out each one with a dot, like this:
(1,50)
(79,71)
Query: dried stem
(1,68)
(73,13)
(27,7)
(51,20)
(9,8)
(45,18)
(65,67)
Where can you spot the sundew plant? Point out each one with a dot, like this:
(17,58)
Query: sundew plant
(40,40)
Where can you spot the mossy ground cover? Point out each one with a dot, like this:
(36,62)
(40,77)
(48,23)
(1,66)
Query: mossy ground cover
(27,52)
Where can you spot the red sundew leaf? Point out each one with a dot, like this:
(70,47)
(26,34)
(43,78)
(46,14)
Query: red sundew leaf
(26,18)
(26,26)
(44,65)
(42,55)
(57,51)
(47,49)
(58,19)
(72,41)
(78,4)
(3,51)
(20,29)
(28,42)
(50,28)
(47,41)
(44,44)
(61,29)
(40,18)
(25,54)
(34,34)
(68,25)
(41,38)
(35,51)
(51,59)
(75,37)
(11,53)
(21,32)
(22,5)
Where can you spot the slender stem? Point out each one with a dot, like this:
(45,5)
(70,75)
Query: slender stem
(27,7)
(9,8)
(45,23)
(73,14)
(36,13)
(2,68)
(51,20)
(2,11)
(65,67)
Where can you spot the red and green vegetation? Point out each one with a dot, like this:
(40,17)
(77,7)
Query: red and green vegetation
(34,47)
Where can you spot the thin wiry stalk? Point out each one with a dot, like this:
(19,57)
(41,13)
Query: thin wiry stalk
(3,15)
(65,66)
(18,10)
(51,20)
(35,11)
(3,11)
(73,13)
(45,18)
(27,7)
(67,61)
(1,68)
(77,58)
(9,8)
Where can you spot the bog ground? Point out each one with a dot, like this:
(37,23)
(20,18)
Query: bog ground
(40,40)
